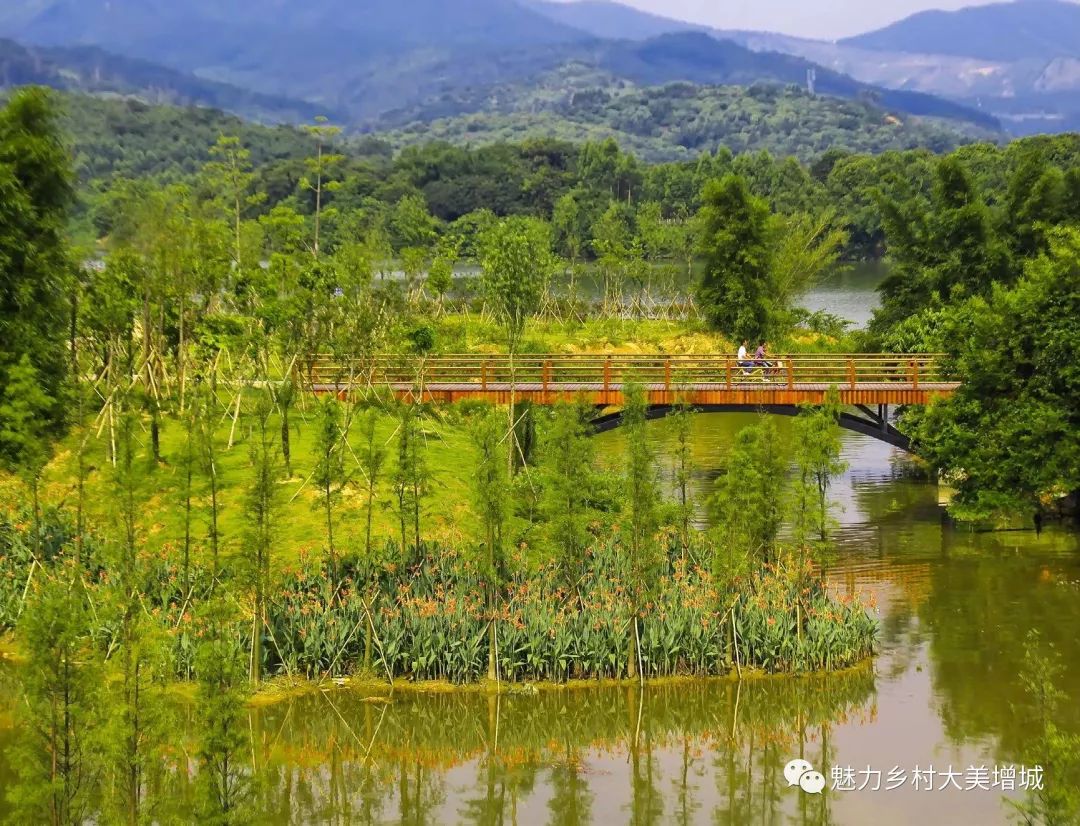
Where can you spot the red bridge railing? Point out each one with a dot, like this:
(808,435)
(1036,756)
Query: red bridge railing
(476,373)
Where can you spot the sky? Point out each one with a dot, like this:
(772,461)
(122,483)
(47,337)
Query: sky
(824,19)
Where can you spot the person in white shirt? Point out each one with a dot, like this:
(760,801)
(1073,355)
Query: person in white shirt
(743,359)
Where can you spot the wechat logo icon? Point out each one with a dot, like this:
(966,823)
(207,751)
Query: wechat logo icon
(800,773)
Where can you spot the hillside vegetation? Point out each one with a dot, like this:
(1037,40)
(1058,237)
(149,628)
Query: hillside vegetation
(126,137)
(365,62)
(680,121)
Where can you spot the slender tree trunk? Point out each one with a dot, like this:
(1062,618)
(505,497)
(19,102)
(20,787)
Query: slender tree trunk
(239,253)
(187,527)
(493,600)
(155,431)
(74,332)
(35,483)
(214,517)
(513,405)
(416,512)
(370,514)
(63,814)
(286,447)
(327,491)
(180,372)
(256,639)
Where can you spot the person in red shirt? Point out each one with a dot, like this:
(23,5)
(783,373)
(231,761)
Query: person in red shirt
(761,359)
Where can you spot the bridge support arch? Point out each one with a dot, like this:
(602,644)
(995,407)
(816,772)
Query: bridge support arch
(871,423)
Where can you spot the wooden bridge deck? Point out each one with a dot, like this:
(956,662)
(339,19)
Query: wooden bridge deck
(861,379)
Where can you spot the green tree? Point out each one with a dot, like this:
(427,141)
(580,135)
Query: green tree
(805,247)
(329,474)
(490,487)
(570,223)
(440,278)
(941,251)
(612,240)
(230,178)
(372,459)
(567,458)
(749,500)
(734,241)
(60,681)
(135,724)
(643,500)
(817,462)
(411,477)
(262,503)
(1034,201)
(321,170)
(682,421)
(1057,801)
(1008,438)
(284,399)
(25,445)
(515,255)
(225,786)
(35,265)
(411,225)
(207,451)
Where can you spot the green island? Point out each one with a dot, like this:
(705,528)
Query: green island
(234,483)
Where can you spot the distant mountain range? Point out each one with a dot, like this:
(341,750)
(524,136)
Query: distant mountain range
(276,39)
(1001,32)
(90,70)
(1018,61)
(377,64)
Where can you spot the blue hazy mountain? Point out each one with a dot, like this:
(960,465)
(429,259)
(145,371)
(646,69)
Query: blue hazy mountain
(92,71)
(1022,30)
(202,34)
(364,58)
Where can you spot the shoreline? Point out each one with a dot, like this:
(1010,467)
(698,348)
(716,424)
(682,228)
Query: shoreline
(281,688)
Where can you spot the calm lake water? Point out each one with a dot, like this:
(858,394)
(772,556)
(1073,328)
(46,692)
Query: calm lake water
(954,608)
(849,292)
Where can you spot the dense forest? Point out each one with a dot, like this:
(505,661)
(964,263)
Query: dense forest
(680,121)
(126,139)
(178,504)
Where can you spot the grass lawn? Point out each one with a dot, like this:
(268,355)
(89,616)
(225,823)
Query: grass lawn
(460,333)
(301,519)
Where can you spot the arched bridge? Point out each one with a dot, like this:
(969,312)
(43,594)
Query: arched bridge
(870,383)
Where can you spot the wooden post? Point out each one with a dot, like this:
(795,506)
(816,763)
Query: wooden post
(727,373)
(547,378)
(607,377)
(851,373)
(667,375)
(915,373)
(790,373)
(484,375)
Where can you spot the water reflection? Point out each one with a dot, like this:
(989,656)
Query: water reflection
(954,608)
(681,753)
